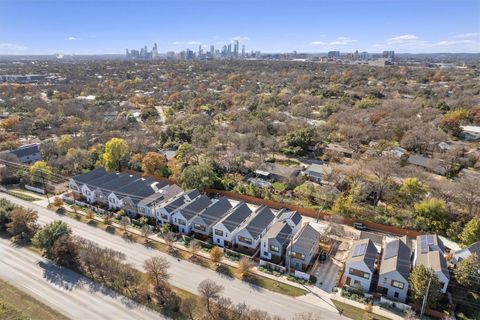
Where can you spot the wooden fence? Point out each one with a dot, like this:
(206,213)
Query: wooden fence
(314,213)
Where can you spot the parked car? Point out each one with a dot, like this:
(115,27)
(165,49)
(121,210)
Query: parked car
(359,226)
(322,258)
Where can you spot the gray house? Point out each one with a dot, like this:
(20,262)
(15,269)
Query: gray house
(28,153)
(395,269)
(147,205)
(249,235)
(165,210)
(204,222)
(303,248)
(225,230)
(360,264)
(319,172)
(183,217)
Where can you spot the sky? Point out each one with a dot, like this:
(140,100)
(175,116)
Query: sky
(111,26)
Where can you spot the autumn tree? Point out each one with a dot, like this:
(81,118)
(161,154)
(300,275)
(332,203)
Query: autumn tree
(216,254)
(65,251)
(154,163)
(244,267)
(115,150)
(23,223)
(40,172)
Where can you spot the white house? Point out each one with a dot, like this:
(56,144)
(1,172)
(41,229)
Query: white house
(249,234)
(430,253)
(360,265)
(148,205)
(165,210)
(183,217)
(225,230)
(395,269)
(464,253)
(204,222)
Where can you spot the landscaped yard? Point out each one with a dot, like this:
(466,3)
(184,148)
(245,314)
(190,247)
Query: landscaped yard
(17,305)
(354,312)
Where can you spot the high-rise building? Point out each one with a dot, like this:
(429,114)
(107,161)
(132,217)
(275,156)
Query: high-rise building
(388,54)
(155,51)
(333,54)
(212,50)
(243,51)
(235,48)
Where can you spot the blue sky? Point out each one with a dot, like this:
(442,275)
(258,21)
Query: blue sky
(109,26)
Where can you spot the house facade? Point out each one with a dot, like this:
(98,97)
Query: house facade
(360,264)
(165,210)
(203,223)
(303,248)
(225,231)
(182,218)
(249,235)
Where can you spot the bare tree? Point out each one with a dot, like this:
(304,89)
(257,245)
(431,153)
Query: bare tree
(146,231)
(156,269)
(125,222)
(169,239)
(209,292)
(194,247)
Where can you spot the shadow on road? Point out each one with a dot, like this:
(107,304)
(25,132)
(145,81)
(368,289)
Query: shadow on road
(60,276)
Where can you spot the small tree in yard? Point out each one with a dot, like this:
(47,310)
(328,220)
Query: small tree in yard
(216,254)
(107,220)
(23,223)
(90,215)
(58,202)
(419,278)
(244,267)
(146,231)
(169,239)
(125,222)
(194,247)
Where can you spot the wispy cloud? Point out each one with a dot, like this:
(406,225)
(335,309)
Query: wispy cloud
(191,42)
(339,41)
(468,35)
(318,43)
(12,48)
(403,39)
(71,38)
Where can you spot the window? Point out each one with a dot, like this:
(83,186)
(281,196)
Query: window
(395,295)
(274,248)
(200,227)
(359,273)
(87,193)
(245,240)
(141,209)
(219,233)
(164,216)
(182,222)
(397,284)
(74,187)
(297,255)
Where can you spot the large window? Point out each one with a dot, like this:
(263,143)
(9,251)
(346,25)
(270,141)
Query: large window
(274,248)
(200,227)
(398,284)
(164,216)
(245,240)
(359,273)
(297,255)
(182,222)
(219,233)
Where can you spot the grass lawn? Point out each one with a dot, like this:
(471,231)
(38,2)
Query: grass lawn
(17,305)
(22,195)
(279,186)
(354,312)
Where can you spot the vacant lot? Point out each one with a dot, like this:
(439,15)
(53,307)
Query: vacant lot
(16,305)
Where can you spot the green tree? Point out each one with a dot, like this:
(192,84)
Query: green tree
(40,172)
(45,237)
(413,190)
(432,215)
(298,141)
(466,272)
(199,177)
(418,280)
(6,208)
(471,232)
(115,150)
(185,153)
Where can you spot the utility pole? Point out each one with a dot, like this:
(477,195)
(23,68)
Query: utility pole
(424,303)
(45,189)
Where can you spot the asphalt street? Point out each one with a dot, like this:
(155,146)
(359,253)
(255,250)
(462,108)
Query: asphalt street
(187,276)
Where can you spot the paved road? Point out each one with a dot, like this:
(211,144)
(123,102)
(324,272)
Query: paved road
(187,276)
(66,291)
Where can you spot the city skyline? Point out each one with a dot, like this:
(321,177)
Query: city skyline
(108,27)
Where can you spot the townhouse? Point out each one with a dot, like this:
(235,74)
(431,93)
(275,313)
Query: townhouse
(203,223)
(225,230)
(395,269)
(165,210)
(360,264)
(430,253)
(182,218)
(274,243)
(303,248)
(249,235)
(148,205)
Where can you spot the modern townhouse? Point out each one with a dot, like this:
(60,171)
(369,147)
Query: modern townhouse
(225,230)
(303,248)
(148,205)
(430,252)
(203,223)
(77,182)
(248,236)
(395,269)
(165,210)
(274,243)
(182,218)
(360,264)
(464,253)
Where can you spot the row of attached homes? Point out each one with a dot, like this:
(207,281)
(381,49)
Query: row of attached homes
(391,266)
(278,234)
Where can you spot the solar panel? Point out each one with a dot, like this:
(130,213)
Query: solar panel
(359,250)
(391,249)
(424,244)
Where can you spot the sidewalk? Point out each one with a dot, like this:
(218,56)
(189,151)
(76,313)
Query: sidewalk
(375,308)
